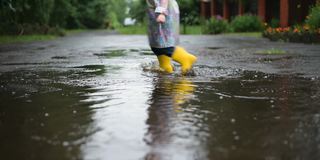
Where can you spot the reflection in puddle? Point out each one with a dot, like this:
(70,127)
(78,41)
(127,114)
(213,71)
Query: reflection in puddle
(168,138)
(90,111)
(42,118)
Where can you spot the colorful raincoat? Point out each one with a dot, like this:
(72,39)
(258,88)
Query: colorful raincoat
(163,35)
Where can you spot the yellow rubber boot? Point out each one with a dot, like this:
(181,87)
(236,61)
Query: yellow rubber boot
(165,63)
(186,59)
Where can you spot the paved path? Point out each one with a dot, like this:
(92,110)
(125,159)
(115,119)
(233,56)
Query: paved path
(224,51)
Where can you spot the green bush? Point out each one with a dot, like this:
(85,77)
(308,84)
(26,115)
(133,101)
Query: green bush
(247,23)
(313,20)
(215,26)
(274,23)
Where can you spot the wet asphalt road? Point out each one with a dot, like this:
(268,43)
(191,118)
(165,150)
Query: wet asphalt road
(95,95)
(217,51)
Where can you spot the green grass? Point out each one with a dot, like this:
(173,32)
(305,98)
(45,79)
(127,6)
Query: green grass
(192,30)
(133,29)
(5,39)
(246,34)
(273,51)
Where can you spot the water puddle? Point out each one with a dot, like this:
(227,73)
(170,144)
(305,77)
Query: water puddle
(59,57)
(136,112)
(215,48)
(142,51)
(111,53)
(146,52)
(27,64)
(97,69)
(41,48)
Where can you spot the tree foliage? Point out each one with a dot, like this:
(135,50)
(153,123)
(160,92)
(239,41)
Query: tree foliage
(138,10)
(15,15)
(189,11)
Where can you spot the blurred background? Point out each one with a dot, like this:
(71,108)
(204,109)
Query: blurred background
(268,18)
(19,17)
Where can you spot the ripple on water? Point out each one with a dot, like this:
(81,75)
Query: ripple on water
(218,113)
(248,102)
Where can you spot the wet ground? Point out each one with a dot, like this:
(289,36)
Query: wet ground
(98,96)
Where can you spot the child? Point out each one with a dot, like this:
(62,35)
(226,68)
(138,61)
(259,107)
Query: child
(163,34)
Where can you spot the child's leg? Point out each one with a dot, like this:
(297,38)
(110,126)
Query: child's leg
(164,58)
(184,58)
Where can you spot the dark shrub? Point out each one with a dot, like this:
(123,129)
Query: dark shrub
(247,23)
(215,26)
(274,23)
